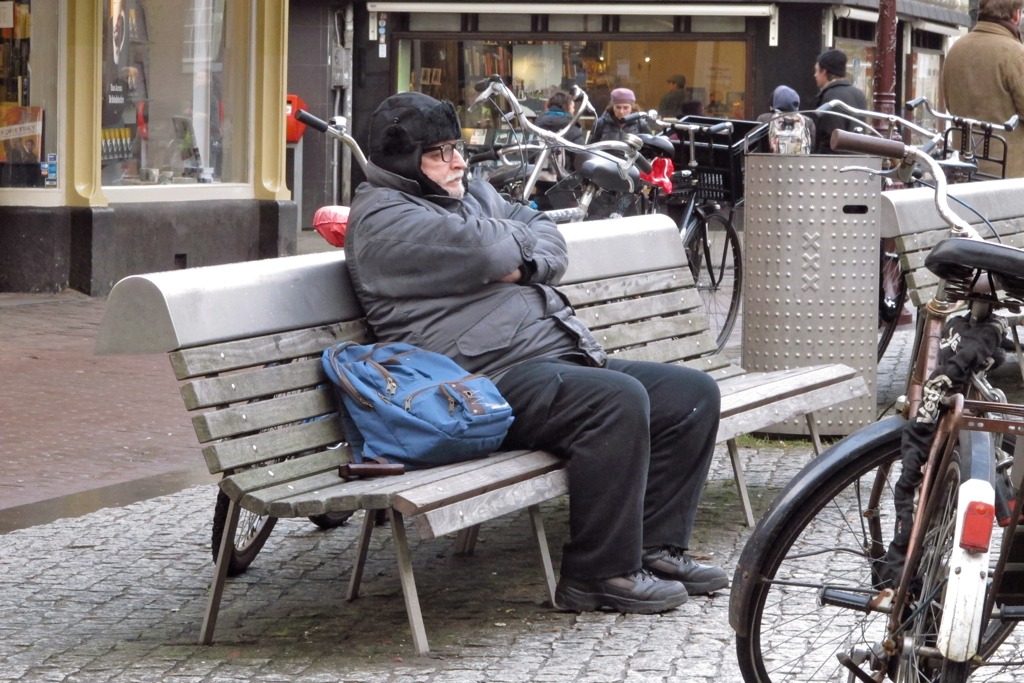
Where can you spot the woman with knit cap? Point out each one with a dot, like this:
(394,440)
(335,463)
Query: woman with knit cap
(610,125)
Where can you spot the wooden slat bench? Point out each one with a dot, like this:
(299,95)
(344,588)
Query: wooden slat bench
(910,217)
(246,340)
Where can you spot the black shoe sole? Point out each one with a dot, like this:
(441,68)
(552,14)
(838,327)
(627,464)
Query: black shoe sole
(695,587)
(580,601)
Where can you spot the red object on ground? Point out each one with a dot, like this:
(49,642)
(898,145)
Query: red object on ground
(294,129)
(661,174)
(331,222)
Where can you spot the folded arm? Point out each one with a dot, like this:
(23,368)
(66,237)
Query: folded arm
(414,251)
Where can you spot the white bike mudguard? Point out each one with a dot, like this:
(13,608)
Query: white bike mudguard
(962,606)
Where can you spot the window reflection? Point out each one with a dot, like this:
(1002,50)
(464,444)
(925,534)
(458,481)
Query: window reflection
(174,92)
(714,73)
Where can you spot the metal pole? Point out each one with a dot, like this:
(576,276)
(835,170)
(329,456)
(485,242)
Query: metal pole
(885,62)
(346,153)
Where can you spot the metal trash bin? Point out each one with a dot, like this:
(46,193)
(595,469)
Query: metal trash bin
(811,264)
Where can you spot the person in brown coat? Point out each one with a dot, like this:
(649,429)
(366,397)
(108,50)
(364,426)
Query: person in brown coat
(983,76)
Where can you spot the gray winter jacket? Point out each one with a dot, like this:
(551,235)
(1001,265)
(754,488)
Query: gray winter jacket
(425,270)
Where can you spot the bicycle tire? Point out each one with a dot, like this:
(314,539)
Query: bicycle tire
(892,297)
(716,264)
(250,536)
(761,658)
(331,520)
(928,576)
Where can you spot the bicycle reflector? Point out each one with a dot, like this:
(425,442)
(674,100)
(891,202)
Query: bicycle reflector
(977,531)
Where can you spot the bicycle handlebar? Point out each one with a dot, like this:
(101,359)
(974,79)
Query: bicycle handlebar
(843,141)
(852,142)
(303,116)
(643,164)
(962,121)
(337,130)
(631,147)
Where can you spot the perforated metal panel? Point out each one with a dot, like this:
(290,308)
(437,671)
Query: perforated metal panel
(810,260)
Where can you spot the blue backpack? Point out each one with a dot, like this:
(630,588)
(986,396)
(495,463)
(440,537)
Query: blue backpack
(414,407)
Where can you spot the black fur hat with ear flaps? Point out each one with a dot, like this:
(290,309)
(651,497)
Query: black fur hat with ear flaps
(402,126)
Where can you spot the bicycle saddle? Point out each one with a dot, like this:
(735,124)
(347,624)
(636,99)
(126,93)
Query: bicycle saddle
(655,146)
(958,258)
(507,175)
(605,174)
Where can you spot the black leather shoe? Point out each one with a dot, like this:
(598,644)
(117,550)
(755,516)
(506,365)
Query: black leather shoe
(674,564)
(636,593)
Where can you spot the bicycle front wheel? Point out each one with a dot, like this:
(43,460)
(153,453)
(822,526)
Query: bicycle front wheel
(844,523)
(716,263)
(829,543)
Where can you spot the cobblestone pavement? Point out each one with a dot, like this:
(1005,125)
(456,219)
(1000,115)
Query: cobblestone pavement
(118,595)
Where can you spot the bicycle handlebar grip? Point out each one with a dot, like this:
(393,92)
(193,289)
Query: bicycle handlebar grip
(630,118)
(843,141)
(725,127)
(643,164)
(489,155)
(913,104)
(1011,123)
(305,117)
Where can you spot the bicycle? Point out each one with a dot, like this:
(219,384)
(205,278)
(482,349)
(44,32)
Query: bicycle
(709,236)
(829,587)
(609,166)
(957,166)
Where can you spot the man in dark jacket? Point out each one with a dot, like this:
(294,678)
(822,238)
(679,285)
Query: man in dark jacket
(557,115)
(830,75)
(459,271)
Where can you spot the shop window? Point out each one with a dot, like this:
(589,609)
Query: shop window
(718,24)
(28,93)
(575,23)
(646,24)
(860,64)
(175,92)
(503,23)
(923,77)
(427,21)
(716,73)
(855,29)
(927,40)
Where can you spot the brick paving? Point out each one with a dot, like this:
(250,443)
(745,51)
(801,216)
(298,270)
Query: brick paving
(118,595)
(73,421)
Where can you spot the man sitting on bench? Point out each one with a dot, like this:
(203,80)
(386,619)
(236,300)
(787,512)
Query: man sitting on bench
(460,271)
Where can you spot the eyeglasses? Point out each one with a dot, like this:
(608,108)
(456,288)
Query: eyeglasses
(447,150)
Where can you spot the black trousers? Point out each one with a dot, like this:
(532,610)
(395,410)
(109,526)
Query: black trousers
(640,437)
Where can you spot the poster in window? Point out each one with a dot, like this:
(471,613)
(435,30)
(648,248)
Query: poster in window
(435,77)
(138,32)
(21,133)
(115,62)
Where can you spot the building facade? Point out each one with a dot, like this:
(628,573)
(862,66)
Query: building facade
(139,136)
(732,55)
